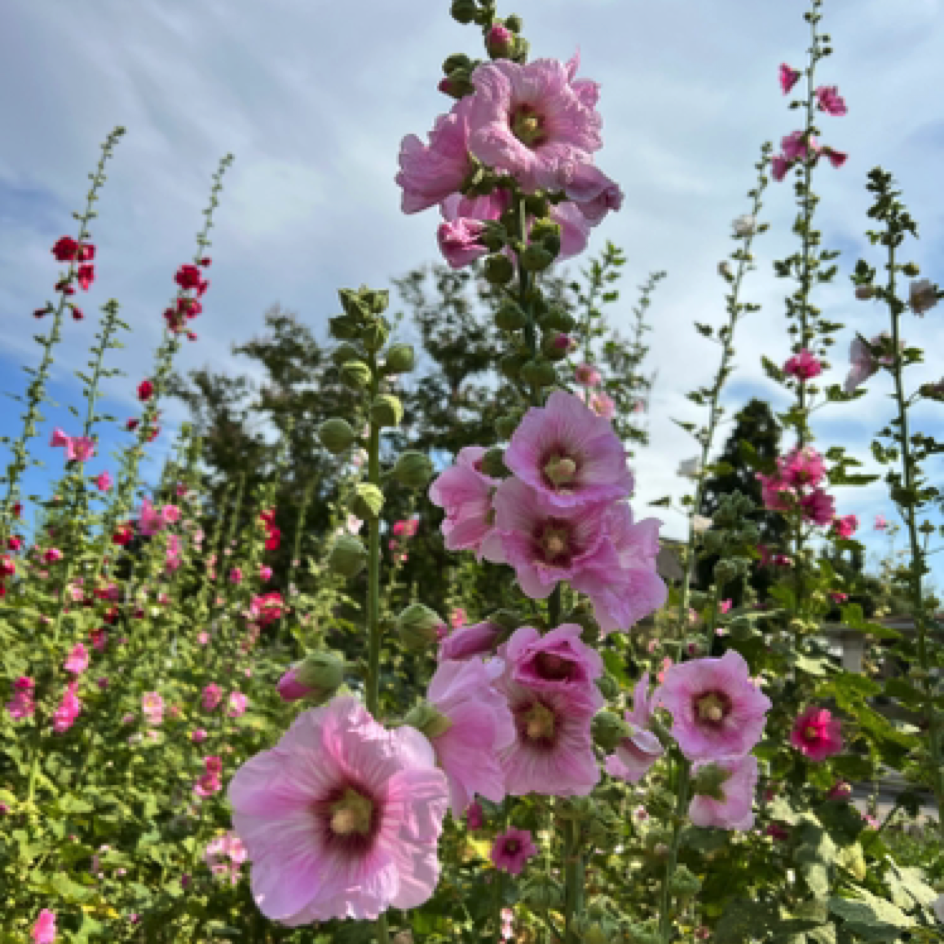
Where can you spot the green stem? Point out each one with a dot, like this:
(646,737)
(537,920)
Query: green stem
(665,917)
(573,879)
(373,559)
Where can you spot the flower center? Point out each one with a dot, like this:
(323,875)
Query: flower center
(713,707)
(555,542)
(553,667)
(539,722)
(511,846)
(351,814)
(811,733)
(560,470)
(528,126)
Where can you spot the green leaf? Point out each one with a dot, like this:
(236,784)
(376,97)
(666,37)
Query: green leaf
(870,917)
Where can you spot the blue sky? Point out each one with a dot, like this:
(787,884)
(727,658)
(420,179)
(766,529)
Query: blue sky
(313,99)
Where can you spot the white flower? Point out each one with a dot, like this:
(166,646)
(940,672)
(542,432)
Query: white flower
(922,296)
(690,468)
(700,523)
(745,225)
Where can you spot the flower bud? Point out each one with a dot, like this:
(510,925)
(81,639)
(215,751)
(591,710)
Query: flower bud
(556,346)
(464,11)
(493,463)
(428,720)
(355,374)
(376,299)
(318,676)
(500,42)
(608,730)
(608,685)
(510,365)
(348,556)
(557,319)
(400,359)
(536,258)
(367,502)
(458,60)
(514,23)
(375,334)
(344,328)
(413,469)
(864,292)
(684,884)
(499,269)
(336,435)
(537,205)
(343,353)
(538,373)
(505,426)
(911,270)
(510,317)
(386,410)
(419,627)
(354,305)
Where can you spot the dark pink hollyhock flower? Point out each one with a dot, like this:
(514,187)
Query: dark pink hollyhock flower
(557,661)
(59,438)
(838,597)
(474,817)
(840,790)
(794,146)
(78,660)
(527,119)
(803,366)
(459,242)
(65,249)
(477,639)
(802,467)
(431,172)
(830,101)
(788,78)
(845,526)
(86,276)
(779,165)
(777,832)
(68,710)
(568,454)
(464,492)
(80,448)
(836,158)
(716,709)
(817,734)
(818,507)
(512,849)
(145,390)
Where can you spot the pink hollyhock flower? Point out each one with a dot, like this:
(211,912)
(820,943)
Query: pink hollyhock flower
(568,454)
(802,467)
(474,816)
(794,146)
(575,228)
(603,405)
(265,572)
(52,555)
(477,726)
(458,617)
(459,241)
(830,101)
(716,709)
(845,526)
(430,173)
(59,438)
(788,78)
(836,158)
(341,818)
(203,638)
(880,523)
(512,849)
(777,494)
(212,696)
(818,507)
(587,375)
(729,802)
(586,90)
(236,575)
(558,661)
(779,166)
(817,734)
(151,520)
(238,702)
(552,753)
(153,707)
(863,364)
(636,753)
(22,704)
(80,448)
(500,41)
(725,606)
(77,660)
(103,482)
(170,514)
(68,710)
(591,192)
(837,596)
(840,790)
(465,493)
(803,366)
(198,736)
(527,119)
(267,608)
(44,930)
(468,641)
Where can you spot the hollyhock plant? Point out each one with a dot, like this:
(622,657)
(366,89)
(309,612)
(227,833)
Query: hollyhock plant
(803,366)
(724,793)
(830,101)
(464,492)
(716,709)
(788,78)
(818,507)
(341,818)
(817,734)
(512,849)
(473,724)
(476,639)
(568,454)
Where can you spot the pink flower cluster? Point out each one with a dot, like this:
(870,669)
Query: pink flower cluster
(210,781)
(224,855)
(804,366)
(561,515)
(69,708)
(78,448)
(153,707)
(536,123)
(152,520)
(796,486)
(188,278)
(21,705)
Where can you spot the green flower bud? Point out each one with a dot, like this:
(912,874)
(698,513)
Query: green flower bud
(609,687)
(725,571)
(709,781)
(536,258)
(464,11)
(537,206)
(355,307)
(413,469)
(498,269)
(493,464)
(590,931)
(336,435)
(510,365)
(355,374)
(377,300)
(344,353)
(322,671)
(911,270)
(375,334)
(428,720)
(608,730)
(348,556)
(386,410)
(400,359)
(418,627)
(493,237)
(542,893)
(367,502)
(685,884)
(505,426)
(458,60)
(514,23)
(557,319)
(508,620)
(539,373)
(510,317)
(344,328)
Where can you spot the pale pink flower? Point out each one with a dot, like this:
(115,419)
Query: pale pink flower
(603,405)
(68,710)
(803,366)
(922,296)
(830,101)
(635,754)
(340,819)
(170,514)
(212,696)
(479,726)
(80,448)
(788,78)
(203,638)
(77,660)
(459,241)
(526,120)
(468,641)
(880,523)
(237,703)
(103,482)
(587,375)
(512,849)
(153,707)
(716,709)
(465,493)
(44,930)
(863,364)
(732,806)
(817,734)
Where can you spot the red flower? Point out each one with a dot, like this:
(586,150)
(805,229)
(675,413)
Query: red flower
(274,539)
(205,262)
(42,311)
(132,425)
(145,390)
(86,253)
(64,249)
(154,433)
(123,535)
(7,566)
(268,517)
(188,276)
(64,287)
(86,275)
(15,542)
(77,314)
(17,509)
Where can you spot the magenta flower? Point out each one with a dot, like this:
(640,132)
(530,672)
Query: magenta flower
(845,526)
(568,454)
(198,736)
(512,849)
(21,705)
(803,366)
(44,930)
(237,703)
(840,790)
(459,241)
(527,119)
(477,639)
(341,818)
(779,166)
(212,696)
(788,78)
(818,507)
(474,816)
(730,783)
(77,660)
(430,173)
(836,158)
(716,709)
(802,467)
(103,482)
(80,448)
(552,753)
(465,493)
(830,101)
(794,146)
(558,661)
(479,726)
(587,375)
(59,438)
(69,709)
(817,734)
(151,520)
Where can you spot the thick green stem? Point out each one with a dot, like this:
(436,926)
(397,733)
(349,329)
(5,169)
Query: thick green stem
(665,915)
(573,879)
